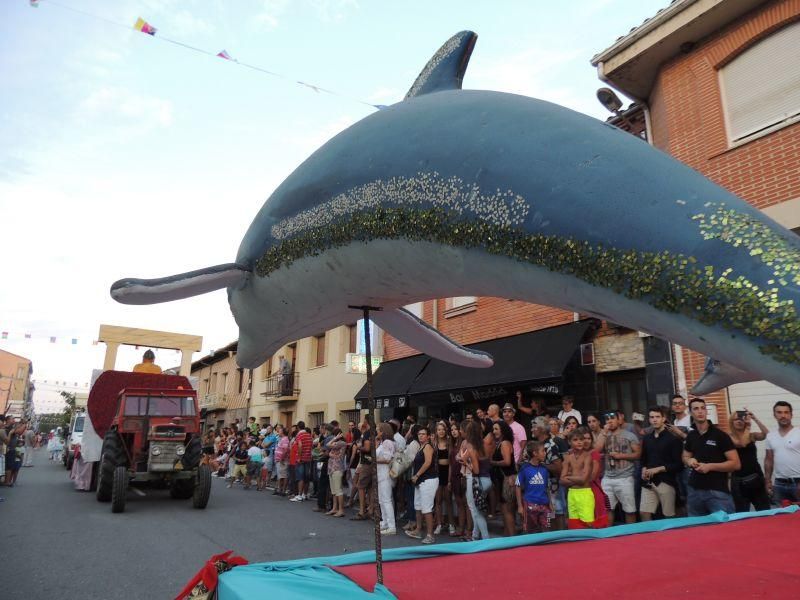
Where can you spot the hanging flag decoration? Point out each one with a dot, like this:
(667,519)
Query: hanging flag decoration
(5,335)
(35,3)
(144,27)
(224,54)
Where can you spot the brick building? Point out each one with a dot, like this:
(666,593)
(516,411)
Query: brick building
(718,82)
(543,352)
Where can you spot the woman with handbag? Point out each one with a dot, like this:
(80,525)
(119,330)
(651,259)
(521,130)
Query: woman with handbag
(383,456)
(478,482)
(426,481)
(748,485)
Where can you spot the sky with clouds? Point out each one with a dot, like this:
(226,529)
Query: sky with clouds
(125,155)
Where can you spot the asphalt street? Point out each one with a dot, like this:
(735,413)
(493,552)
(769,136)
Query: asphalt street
(62,543)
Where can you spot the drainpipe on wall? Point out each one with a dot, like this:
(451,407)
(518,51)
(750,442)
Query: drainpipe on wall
(435,321)
(678,361)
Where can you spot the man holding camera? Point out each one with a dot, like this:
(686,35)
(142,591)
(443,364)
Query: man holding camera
(622,450)
(661,463)
(710,453)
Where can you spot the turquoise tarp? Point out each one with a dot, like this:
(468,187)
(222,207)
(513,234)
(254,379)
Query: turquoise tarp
(313,577)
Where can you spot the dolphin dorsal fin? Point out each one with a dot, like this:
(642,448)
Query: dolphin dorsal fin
(445,70)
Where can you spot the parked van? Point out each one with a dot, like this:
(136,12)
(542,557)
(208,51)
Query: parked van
(73,438)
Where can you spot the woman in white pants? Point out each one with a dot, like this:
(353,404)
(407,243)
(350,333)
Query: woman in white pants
(383,455)
(477,463)
(426,482)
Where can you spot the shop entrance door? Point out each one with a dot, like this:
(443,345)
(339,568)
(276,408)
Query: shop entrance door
(625,391)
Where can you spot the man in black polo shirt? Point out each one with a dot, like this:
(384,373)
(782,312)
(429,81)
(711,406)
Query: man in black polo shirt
(710,454)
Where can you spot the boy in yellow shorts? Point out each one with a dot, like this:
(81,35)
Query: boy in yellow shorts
(576,476)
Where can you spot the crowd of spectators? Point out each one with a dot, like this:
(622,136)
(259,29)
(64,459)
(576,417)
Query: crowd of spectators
(455,478)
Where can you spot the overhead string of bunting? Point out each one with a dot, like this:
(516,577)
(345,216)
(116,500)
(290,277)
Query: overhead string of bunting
(27,336)
(144,27)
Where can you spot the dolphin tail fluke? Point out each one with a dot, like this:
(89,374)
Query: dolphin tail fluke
(177,287)
(414,332)
(445,70)
(718,376)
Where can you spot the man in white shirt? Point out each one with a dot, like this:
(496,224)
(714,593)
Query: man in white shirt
(520,437)
(568,411)
(682,416)
(399,440)
(783,456)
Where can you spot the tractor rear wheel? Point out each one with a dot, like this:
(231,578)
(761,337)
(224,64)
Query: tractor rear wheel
(202,487)
(119,489)
(182,489)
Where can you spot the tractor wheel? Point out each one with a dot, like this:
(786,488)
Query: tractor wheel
(119,489)
(193,454)
(202,487)
(105,479)
(111,455)
(182,489)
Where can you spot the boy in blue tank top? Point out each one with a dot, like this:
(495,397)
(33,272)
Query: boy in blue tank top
(533,498)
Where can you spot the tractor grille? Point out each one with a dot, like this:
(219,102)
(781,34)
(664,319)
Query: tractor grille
(167,459)
(169,431)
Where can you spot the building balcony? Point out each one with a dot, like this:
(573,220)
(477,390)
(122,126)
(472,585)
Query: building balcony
(213,401)
(283,387)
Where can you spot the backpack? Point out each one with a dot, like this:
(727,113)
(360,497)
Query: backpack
(402,459)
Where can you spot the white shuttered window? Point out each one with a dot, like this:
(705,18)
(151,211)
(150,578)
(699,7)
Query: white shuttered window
(761,86)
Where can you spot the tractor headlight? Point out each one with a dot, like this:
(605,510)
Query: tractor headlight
(155,450)
(180,450)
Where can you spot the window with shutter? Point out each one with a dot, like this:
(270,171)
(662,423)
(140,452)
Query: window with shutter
(761,86)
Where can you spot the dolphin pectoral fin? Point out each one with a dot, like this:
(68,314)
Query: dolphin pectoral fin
(414,332)
(445,70)
(719,375)
(176,287)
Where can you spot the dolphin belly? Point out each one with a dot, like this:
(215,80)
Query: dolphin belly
(310,296)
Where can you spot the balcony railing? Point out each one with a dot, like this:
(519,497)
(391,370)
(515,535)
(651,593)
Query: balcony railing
(283,386)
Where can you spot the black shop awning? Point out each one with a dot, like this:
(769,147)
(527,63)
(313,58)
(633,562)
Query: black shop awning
(392,380)
(540,355)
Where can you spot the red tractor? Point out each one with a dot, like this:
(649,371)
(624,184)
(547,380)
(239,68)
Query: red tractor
(150,430)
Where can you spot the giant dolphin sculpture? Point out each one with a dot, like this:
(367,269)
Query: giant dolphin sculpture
(459,192)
